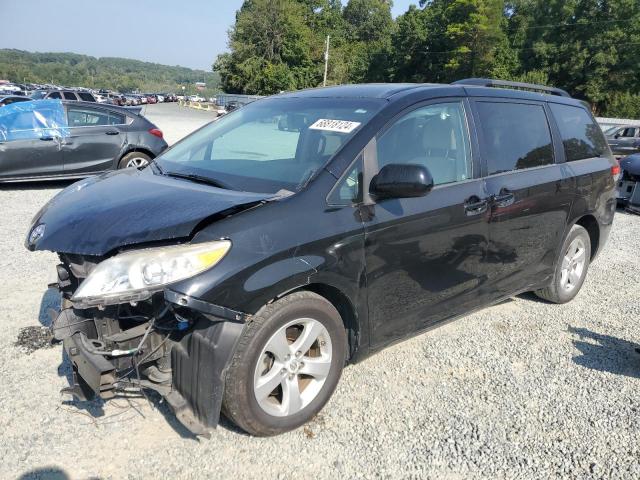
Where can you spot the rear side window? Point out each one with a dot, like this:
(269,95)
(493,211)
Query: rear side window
(581,137)
(87,117)
(87,97)
(516,136)
(56,95)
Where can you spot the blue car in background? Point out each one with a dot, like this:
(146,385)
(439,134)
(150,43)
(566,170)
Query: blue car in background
(628,193)
(58,139)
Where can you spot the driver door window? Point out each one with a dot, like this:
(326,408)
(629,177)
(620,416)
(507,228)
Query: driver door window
(435,136)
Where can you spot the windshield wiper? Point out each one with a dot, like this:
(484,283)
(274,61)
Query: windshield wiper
(157,166)
(200,179)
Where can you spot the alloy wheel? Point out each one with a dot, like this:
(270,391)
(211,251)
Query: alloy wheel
(137,162)
(292,367)
(573,264)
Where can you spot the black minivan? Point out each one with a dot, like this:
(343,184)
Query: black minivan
(246,265)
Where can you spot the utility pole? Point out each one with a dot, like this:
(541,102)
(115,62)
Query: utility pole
(326,62)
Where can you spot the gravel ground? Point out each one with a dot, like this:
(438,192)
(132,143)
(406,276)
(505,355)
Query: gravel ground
(520,390)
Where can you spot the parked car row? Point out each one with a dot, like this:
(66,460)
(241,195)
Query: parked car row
(40,92)
(136,98)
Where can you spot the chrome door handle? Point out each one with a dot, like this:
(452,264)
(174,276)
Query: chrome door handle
(475,206)
(503,199)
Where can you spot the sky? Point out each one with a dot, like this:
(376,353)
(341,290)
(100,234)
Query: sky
(190,33)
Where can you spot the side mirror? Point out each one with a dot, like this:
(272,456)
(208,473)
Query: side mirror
(617,135)
(401,181)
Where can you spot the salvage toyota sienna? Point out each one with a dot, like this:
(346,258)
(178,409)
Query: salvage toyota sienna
(248,264)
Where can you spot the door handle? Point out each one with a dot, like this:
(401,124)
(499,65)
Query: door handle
(503,199)
(46,139)
(112,132)
(475,206)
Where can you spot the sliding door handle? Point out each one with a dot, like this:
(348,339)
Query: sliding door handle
(504,199)
(475,206)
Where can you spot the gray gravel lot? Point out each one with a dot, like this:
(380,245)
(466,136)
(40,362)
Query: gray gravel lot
(520,390)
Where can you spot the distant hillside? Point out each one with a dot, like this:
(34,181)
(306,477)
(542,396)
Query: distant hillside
(71,69)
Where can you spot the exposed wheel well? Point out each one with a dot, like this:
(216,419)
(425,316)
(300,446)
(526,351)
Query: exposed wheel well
(141,150)
(345,309)
(590,224)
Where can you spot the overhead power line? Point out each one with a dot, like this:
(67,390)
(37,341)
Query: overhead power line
(578,24)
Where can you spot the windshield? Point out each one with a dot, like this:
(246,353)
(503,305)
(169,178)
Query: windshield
(270,145)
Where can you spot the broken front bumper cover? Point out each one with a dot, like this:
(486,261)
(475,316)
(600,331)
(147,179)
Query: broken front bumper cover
(93,374)
(198,363)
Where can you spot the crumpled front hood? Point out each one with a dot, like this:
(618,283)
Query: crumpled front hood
(99,214)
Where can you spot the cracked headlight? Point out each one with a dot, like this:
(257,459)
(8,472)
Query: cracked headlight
(135,275)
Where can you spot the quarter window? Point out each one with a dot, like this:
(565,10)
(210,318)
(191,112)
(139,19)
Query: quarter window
(515,136)
(434,136)
(85,117)
(581,137)
(349,189)
(87,97)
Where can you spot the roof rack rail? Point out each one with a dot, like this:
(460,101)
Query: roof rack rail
(488,82)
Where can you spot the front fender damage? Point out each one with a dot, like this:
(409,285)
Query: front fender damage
(182,353)
(199,364)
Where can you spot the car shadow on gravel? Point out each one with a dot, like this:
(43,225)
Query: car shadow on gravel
(606,353)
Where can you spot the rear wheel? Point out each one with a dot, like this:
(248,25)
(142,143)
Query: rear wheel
(571,267)
(286,366)
(135,160)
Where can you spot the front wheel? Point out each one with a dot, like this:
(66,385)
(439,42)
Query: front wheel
(571,268)
(286,366)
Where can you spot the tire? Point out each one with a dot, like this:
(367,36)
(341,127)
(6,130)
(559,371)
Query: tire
(260,363)
(134,159)
(570,269)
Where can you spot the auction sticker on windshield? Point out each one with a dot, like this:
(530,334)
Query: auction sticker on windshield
(342,126)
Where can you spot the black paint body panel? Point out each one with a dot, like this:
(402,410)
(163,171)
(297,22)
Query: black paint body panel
(400,265)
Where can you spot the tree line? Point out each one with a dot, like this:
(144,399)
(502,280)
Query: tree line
(120,74)
(589,47)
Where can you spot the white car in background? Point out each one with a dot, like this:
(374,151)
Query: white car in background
(160,98)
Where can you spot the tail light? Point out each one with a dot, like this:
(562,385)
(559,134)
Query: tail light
(615,170)
(158,133)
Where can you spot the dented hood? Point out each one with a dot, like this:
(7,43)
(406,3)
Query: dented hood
(99,214)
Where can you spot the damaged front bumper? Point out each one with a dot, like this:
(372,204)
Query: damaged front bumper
(174,344)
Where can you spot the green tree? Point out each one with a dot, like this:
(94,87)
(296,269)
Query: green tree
(452,39)
(270,47)
(589,47)
(73,70)
(369,30)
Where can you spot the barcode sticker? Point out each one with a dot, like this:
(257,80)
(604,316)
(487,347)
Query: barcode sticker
(342,126)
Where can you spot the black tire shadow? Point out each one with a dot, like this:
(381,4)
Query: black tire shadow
(605,353)
(41,185)
(532,297)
